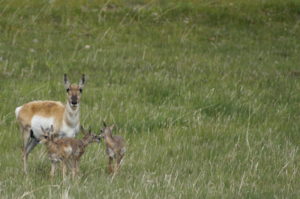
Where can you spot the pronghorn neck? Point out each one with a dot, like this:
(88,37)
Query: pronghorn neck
(109,140)
(109,136)
(71,115)
(85,142)
(50,144)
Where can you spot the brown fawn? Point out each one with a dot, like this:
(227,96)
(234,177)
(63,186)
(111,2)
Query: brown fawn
(115,147)
(66,150)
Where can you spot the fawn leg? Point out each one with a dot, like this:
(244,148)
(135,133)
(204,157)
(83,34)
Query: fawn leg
(76,167)
(53,167)
(73,169)
(119,159)
(110,166)
(64,169)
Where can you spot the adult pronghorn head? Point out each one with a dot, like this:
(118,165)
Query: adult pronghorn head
(74,91)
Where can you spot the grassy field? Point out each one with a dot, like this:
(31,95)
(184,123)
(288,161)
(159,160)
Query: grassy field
(206,94)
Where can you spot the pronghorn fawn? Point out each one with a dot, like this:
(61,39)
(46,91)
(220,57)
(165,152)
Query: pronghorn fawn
(63,117)
(66,150)
(115,147)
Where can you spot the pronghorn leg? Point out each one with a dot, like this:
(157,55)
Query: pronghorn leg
(29,143)
(32,142)
(25,137)
(110,165)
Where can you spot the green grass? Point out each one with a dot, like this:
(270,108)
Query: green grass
(202,91)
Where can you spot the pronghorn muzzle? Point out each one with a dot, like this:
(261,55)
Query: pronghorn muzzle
(74,100)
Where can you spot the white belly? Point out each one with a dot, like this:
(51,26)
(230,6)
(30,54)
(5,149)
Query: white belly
(38,121)
(67,131)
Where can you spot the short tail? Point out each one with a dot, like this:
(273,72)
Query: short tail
(17,111)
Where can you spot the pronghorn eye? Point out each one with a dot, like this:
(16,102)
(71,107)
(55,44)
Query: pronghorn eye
(68,89)
(80,90)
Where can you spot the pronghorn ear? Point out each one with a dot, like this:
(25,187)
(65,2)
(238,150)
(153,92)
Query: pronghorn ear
(90,130)
(43,130)
(112,127)
(82,129)
(67,83)
(104,124)
(81,82)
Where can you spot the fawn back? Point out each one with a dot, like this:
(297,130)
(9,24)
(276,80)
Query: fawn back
(68,147)
(114,142)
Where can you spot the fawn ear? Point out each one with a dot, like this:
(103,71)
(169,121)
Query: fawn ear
(43,130)
(112,127)
(54,135)
(82,130)
(52,128)
(90,130)
(45,133)
(104,124)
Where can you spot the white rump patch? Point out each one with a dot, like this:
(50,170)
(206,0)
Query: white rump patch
(17,111)
(38,121)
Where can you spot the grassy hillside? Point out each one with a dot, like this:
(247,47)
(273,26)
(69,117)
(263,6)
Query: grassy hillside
(206,94)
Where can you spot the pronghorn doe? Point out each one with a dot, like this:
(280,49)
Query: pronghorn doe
(66,150)
(115,147)
(63,117)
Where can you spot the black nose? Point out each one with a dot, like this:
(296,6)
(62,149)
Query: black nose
(74,100)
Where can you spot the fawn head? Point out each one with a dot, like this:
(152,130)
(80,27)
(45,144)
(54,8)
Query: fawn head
(89,137)
(47,135)
(106,131)
(74,91)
